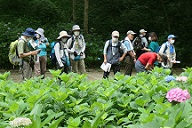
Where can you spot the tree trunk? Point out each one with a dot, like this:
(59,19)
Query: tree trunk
(86,3)
(166,16)
(74,11)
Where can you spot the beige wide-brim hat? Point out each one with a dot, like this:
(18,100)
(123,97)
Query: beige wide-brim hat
(63,34)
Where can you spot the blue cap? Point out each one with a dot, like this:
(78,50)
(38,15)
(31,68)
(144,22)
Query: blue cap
(171,36)
(29,32)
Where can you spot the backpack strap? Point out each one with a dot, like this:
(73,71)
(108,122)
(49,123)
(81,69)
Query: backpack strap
(72,42)
(117,46)
(165,47)
(59,45)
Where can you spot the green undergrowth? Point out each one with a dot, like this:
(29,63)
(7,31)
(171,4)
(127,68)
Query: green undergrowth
(137,101)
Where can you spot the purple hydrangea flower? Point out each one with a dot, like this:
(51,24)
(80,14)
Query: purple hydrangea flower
(177,95)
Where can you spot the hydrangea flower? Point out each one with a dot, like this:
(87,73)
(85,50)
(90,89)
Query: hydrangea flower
(177,95)
(18,122)
(182,78)
(169,78)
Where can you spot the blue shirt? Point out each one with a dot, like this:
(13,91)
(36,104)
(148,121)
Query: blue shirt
(128,44)
(43,47)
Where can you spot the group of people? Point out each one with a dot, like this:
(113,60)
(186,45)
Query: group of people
(138,52)
(69,52)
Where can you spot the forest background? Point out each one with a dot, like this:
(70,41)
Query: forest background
(97,19)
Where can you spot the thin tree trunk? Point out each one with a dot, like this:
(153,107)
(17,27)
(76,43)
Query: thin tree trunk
(86,3)
(74,11)
(166,16)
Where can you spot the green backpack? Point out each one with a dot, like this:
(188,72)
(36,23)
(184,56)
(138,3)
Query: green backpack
(13,53)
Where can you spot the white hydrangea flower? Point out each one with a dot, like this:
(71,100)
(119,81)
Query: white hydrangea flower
(17,122)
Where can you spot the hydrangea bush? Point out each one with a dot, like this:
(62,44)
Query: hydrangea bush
(20,122)
(177,95)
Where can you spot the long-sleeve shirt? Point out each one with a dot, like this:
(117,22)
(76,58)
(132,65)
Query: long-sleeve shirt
(42,45)
(60,50)
(76,44)
(153,46)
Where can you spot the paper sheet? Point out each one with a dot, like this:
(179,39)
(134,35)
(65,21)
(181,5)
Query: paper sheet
(106,67)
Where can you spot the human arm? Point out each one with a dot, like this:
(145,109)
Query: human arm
(58,55)
(22,53)
(105,51)
(124,48)
(69,48)
(148,66)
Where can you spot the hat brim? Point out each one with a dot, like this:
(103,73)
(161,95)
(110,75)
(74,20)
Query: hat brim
(77,30)
(63,36)
(26,34)
(131,33)
(39,33)
(115,35)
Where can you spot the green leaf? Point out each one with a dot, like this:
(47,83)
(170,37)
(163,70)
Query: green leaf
(37,110)
(86,124)
(74,122)
(56,123)
(55,73)
(95,123)
(182,124)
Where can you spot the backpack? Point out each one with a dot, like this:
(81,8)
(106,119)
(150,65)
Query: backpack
(13,53)
(118,46)
(160,48)
(137,44)
(52,55)
(53,58)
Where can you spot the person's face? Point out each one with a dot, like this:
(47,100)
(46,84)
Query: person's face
(159,59)
(64,39)
(131,36)
(28,38)
(171,40)
(76,33)
(115,39)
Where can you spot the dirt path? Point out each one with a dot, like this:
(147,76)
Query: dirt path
(92,74)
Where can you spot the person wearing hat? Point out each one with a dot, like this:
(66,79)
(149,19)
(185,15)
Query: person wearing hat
(25,53)
(76,48)
(169,49)
(146,61)
(61,52)
(41,58)
(142,35)
(130,59)
(112,55)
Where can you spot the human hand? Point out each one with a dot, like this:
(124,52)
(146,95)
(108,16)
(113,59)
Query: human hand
(35,52)
(105,61)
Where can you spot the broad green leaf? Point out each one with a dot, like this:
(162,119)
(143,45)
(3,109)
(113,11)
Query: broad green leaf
(95,123)
(56,123)
(74,122)
(86,124)
(182,124)
(37,110)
